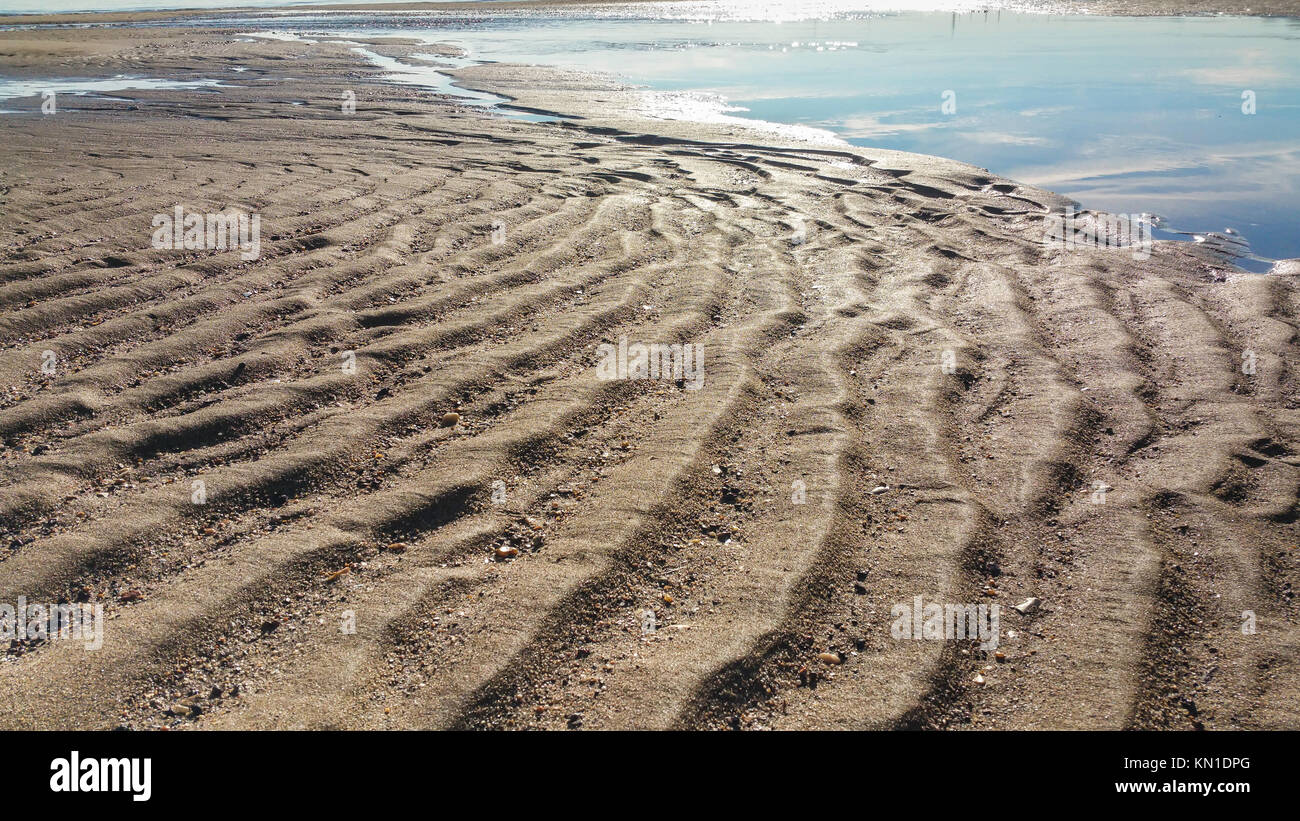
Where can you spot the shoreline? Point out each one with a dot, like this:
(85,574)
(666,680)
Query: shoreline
(1136,8)
(511,82)
(373,479)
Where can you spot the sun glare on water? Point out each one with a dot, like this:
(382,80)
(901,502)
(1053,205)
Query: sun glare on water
(770,12)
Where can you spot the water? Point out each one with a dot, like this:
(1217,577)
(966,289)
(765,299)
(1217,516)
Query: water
(18,89)
(87,88)
(1129,115)
(432,78)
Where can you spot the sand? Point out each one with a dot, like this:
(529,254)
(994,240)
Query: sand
(867,320)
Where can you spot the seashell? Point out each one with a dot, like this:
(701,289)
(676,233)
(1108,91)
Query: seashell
(1028,606)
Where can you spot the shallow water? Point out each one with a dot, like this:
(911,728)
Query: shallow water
(17,89)
(432,78)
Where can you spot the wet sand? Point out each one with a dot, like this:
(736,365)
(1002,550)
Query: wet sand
(868,320)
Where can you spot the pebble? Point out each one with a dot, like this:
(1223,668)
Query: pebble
(450,420)
(507,552)
(879,489)
(831,658)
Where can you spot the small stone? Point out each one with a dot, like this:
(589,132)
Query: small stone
(1000,656)
(396,547)
(879,489)
(506,551)
(830,658)
(450,420)
(979,678)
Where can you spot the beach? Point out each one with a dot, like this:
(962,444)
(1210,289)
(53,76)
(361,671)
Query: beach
(377,476)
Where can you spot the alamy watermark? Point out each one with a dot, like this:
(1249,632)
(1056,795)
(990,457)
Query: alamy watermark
(53,622)
(125,775)
(194,231)
(947,622)
(1070,230)
(683,362)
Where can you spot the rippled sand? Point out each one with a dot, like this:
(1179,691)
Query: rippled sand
(498,571)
